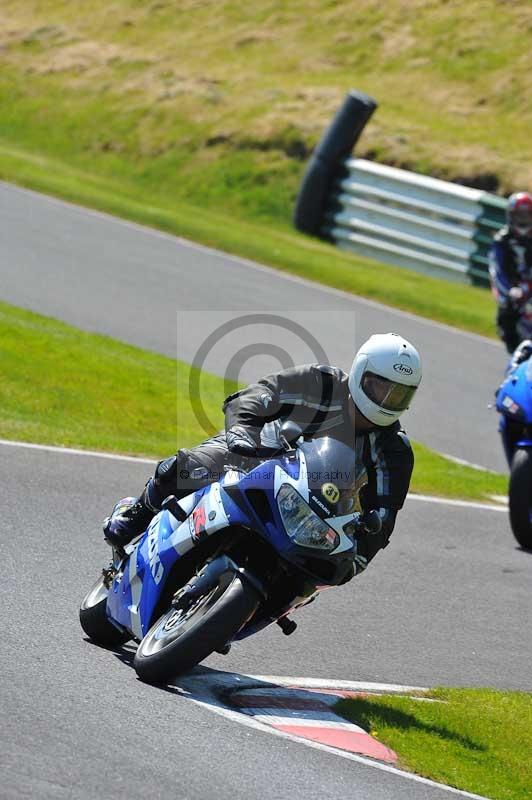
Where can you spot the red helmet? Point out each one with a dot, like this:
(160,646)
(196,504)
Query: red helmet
(519,213)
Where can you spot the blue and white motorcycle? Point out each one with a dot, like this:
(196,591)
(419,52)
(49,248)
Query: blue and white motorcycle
(514,404)
(232,558)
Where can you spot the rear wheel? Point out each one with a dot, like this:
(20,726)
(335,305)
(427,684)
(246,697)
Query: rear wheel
(94,620)
(183,637)
(520,497)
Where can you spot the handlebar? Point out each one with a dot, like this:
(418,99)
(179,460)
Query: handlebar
(369,522)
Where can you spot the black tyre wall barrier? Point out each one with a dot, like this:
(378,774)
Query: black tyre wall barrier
(325,164)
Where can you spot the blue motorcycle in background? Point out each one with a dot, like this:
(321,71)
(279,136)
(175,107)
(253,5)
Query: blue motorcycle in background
(232,558)
(514,404)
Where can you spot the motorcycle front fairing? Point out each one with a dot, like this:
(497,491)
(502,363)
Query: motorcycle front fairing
(311,471)
(514,403)
(239,500)
(137,587)
(252,498)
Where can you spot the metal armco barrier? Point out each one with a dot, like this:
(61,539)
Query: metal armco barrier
(413,221)
(393,215)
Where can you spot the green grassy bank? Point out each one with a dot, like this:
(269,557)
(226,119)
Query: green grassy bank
(198,117)
(478,740)
(62,386)
(461,306)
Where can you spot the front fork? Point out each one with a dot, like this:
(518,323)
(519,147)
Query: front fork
(209,576)
(512,439)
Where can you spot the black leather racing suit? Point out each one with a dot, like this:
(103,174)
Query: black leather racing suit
(510,262)
(316,397)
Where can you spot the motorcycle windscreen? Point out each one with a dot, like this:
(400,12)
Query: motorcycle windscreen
(334,479)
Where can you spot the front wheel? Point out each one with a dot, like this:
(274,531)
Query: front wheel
(520,497)
(181,638)
(94,620)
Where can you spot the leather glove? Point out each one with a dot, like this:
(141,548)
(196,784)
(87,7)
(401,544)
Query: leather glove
(519,295)
(516,295)
(240,441)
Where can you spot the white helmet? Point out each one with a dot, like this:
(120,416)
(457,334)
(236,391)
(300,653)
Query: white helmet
(384,377)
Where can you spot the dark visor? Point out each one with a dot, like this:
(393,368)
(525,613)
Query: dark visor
(387,394)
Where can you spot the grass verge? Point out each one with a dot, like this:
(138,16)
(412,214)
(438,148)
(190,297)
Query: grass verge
(62,386)
(478,740)
(465,307)
(121,110)
(239,94)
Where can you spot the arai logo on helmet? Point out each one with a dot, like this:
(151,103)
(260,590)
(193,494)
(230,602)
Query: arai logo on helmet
(403,368)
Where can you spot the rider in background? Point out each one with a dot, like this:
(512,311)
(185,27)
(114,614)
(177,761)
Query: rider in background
(361,409)
(510,266)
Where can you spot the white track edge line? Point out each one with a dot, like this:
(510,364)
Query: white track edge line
(323,683)
(136,460)
(463,462)
(427,498)
(75,452)
(278,720)
(217,707)
(252,264)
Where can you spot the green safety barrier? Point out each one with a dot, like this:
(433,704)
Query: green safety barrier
(492,218)
(432,241)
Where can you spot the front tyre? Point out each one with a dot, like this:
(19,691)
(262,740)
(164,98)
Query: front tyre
(520,497)
(181,638)
(94,620)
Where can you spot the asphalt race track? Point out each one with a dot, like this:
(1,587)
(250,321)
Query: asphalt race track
(150,289)
(444,604)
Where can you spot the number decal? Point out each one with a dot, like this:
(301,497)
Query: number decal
(331,492)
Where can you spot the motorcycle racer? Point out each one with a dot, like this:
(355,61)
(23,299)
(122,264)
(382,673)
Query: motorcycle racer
(510,267)
(361,409)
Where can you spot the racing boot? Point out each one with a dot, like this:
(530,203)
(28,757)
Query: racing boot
(131,516)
